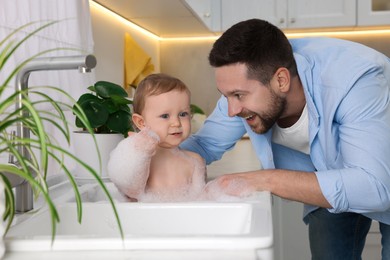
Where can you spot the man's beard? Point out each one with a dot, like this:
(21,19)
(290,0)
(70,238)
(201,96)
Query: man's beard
(268,119)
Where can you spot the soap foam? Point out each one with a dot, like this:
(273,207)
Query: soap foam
(136,152)
(234,190)
(190,192)
(128,153)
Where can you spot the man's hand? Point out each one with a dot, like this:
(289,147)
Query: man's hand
(238,184)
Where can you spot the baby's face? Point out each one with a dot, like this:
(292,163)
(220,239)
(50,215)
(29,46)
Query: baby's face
(169,115)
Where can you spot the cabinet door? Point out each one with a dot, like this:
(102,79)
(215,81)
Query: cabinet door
(233,11)
(319,13)
(207,11)
(373,12)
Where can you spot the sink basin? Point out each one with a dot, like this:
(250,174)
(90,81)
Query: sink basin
(195,225)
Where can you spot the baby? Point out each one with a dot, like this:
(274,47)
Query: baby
(149,165)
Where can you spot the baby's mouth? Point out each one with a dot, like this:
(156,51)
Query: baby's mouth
(176,133)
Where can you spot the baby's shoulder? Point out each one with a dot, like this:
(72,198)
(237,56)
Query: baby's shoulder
(195,156)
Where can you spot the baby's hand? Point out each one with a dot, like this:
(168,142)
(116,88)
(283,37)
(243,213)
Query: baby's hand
(146,140)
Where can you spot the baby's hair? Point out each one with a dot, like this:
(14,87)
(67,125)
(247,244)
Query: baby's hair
(155,84)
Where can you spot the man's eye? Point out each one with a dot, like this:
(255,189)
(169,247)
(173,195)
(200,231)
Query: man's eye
(165,116)
(238,96)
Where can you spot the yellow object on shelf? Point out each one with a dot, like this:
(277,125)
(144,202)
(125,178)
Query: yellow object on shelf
(137,63)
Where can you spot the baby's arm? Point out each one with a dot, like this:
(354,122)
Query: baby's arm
(129,163)
(200,166)
(199,173)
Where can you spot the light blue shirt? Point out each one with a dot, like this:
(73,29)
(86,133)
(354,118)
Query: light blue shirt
(347,95)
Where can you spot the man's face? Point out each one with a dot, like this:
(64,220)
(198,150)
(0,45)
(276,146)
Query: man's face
(260,105)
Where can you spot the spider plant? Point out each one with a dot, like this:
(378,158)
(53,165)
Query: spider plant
(41,146)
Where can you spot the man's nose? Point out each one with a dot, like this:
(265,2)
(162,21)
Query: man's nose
(234,108)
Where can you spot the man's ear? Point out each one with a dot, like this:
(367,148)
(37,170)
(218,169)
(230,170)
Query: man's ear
(138,120)
(283,78)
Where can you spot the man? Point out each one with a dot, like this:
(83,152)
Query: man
(318,114)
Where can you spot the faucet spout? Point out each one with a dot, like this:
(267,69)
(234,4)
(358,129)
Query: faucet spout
(83,63)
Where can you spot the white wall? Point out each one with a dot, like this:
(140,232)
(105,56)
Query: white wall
(108,34)
(188,60)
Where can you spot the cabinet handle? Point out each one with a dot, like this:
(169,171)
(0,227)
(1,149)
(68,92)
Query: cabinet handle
(281,20)
(292,20)
(206,15)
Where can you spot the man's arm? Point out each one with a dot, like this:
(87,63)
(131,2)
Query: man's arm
(218,134)
(292,185)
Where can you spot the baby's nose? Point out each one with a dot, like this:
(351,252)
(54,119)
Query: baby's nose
(175,121)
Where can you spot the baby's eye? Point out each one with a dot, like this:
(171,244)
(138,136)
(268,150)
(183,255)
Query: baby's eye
(184,114)
(165,116)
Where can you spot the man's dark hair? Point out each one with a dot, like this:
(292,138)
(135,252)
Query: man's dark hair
(260,45)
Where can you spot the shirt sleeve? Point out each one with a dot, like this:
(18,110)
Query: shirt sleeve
(361,182)
(218,134)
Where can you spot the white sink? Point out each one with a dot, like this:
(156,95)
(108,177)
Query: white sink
(197,225)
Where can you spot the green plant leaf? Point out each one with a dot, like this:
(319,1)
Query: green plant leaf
(91,88)
(10,51)
(125,108)
(119,122)
(9,212)
(40,133)
(109,105)
(87,97)
(119,100)
(64,128)
(196,110)
(107,89)
(99,181)
(33,166)
(96,112)
(53,211)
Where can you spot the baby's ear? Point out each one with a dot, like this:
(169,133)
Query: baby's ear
(138,120)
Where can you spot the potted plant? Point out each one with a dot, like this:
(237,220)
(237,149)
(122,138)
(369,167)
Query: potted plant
(41,146)
(107,110)
(108,113)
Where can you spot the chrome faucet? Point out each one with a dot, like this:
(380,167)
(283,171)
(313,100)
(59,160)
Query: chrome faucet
(84,63)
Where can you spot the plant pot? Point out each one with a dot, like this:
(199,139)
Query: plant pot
(85,150)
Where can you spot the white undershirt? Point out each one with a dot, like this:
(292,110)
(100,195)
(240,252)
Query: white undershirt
(296,136)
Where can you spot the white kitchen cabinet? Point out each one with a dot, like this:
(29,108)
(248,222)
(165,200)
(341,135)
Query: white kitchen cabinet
(319,13)
(373,247)
(291,234)
(290,14)
(233,11)
(207,11)
(373,12)
(219,15)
